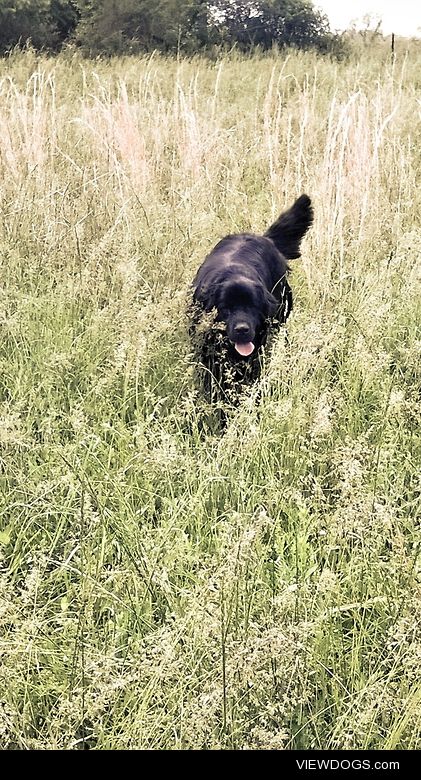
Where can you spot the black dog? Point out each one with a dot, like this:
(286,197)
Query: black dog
(243,281)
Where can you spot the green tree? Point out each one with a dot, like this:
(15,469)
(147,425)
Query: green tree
(23,20)
(142,24)
(293,23)
(64,16)
(45,23)
(266,22)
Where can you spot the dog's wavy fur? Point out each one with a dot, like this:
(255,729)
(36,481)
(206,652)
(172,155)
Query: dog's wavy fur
(242,285)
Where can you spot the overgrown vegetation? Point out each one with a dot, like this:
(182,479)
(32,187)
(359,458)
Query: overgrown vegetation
(161,588)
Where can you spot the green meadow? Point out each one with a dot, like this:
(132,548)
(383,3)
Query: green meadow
(164,586)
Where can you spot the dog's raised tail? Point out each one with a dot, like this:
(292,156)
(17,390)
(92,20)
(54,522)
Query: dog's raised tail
(288,230)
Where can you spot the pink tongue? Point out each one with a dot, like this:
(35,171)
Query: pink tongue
(245,349)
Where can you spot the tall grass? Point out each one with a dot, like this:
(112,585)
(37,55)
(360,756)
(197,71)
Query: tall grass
(164,589)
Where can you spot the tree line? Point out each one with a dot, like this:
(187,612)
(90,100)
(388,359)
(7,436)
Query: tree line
(121,26)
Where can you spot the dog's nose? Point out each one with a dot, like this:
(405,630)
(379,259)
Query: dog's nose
(242,330)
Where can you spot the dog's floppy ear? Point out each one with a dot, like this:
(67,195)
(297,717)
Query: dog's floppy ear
(271,303)
(288,230)
(205,295)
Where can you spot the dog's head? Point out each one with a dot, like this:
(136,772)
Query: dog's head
(243,305)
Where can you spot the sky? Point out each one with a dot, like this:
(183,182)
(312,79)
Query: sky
(402,17)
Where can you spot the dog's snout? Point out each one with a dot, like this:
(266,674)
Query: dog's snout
(242,330)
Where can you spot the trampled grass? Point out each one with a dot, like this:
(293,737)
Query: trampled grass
(162,588)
